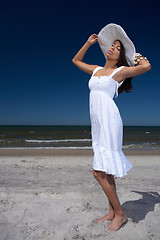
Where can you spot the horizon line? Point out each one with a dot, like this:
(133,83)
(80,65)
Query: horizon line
(71,125)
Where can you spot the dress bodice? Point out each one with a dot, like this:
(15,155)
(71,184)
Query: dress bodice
(105,84)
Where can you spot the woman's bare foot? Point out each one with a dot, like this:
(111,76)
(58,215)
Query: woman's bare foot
(117,222)
(107,217)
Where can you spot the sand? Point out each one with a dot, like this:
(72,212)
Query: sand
(53,195)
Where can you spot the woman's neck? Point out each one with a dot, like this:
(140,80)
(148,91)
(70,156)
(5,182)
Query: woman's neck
(110,64)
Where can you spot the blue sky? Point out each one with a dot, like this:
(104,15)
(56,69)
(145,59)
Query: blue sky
(39,83)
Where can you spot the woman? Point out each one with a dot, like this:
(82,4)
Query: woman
(106,123)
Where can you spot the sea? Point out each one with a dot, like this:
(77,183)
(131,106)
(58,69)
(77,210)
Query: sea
(73,137)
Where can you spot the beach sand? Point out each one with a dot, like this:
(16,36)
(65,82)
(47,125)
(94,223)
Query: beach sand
(52,194)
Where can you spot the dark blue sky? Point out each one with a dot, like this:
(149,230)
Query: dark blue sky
(39,83)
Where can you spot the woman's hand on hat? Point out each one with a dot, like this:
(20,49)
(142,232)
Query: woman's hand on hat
(92,39)
(138,58)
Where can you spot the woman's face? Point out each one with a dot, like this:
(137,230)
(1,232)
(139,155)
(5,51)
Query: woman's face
(114,51)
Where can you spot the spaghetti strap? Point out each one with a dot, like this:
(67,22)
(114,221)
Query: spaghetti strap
(96,69)
(116,70)
(117,83)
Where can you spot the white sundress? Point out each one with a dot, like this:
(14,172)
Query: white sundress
(106,126)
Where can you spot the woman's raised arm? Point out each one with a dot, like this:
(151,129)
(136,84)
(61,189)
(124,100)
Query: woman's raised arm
(77,60)
(142,67)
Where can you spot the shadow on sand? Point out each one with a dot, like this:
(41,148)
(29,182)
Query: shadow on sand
(138,209)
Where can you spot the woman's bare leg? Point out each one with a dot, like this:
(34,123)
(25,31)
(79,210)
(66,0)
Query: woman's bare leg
(108,185)
(110,215)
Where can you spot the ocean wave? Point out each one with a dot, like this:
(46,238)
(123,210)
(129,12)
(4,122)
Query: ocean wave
(57,141)
(46,148)
(124,147)
(69,144)
(142,145)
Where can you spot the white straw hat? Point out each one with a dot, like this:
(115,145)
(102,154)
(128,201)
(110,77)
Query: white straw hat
(112,32)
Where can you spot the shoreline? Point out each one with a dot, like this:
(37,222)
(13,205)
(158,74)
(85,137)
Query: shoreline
(70,152)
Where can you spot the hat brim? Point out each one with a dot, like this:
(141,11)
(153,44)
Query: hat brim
(112,32)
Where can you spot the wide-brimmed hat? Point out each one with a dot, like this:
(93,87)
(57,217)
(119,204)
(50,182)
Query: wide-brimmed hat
(112,32)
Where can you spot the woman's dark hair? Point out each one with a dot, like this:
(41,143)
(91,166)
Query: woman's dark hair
(126,85)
